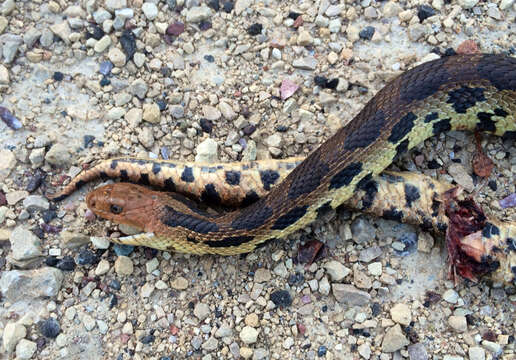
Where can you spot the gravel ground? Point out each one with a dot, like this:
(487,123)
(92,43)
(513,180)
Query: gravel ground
(222,81)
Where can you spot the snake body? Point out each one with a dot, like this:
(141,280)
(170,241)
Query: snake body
(463,92)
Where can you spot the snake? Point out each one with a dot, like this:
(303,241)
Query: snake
(461,92)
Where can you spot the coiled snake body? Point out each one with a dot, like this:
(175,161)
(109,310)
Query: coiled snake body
(463,92)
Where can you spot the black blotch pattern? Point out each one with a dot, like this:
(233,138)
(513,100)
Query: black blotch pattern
(314,170)
(489,230)
(513,269)
(79,183)
(174,218)
(509,135)
(441,126)
(289,218)
(401,149)
(431,117)
(144,179)
(229,241)
(250,198)
(170,185)
(435,207)
(268,178)
(486,122)
(346,175)
(192,240)
(393,214)
(156,168)
(103,175)
(424,81)
(250,218)
(411,194)
(391,179)
(500,112)
(114,164)
(123,175)
(323,209)
(187,175)
(210,195)
(402,128)
(465,97)
(489,264)
(233,177)
(370,187)
(367,133)
(499,70)
(511,243)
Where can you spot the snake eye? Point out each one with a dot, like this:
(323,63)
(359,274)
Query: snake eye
(116,209)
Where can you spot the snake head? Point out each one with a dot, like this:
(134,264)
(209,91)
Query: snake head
(123,203)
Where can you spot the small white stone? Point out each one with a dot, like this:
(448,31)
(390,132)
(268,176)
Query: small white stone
(375,268)
(150,10)
(102,267)
(249,335)
(25,349)
(102,44)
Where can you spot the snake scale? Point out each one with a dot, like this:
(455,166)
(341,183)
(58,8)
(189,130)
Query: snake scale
(461,92)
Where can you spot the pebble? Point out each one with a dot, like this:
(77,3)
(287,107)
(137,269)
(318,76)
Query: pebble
(227,111)
(468,4)
(179,283)
(262,275)
(198,13)
(102,267)
(375,269)
(123,266)
(394,340)
(211,113)
(25,349)
(36,202)
(451,296)
(14,197)
(492,347)
(100,242)
(7,163)
(350,295)
(49,328)
(305,63)
(73,240)
(362,231)
(281,298)
(476,353)
(336,270)
(117,57)
(88,322)
(460,175)
(4,75)
(248,335)
(12,334)
(24,244)
(418,352)
(19,284)
(207,151)
(102,44)
(401,314)
(151,113)
(58,155)
(123,250)
(458,323)
(150,10)
(177,111)
(365,350)
(147,289)
(139,88)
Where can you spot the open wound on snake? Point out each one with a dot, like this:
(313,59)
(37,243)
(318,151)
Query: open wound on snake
(465,92)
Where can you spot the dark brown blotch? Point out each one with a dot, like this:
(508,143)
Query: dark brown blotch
(268,177)
(511,244)
(411,194)
(250,198)
(401,149)
(175,218)
(187,175)
(367,133)
(233,177)
(229,241)
(290,218)
(441,126)
(509,135)
(252,217)
(307,176)
(345,176)
(393,214)
(490,230)
(402,128)
(144,179)
(370,188)
(210,195)
(123,175)
(465,97)
(113,164)
(431,117)
(500,70)
(170,185)
(424,80)
(156,168)
(486,122)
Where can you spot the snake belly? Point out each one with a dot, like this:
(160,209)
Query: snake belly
(462,92)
